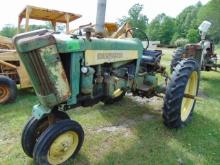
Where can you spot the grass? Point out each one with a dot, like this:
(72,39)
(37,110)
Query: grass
(127,132)
(218,49)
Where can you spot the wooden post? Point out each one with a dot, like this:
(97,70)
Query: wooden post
(67,17)
(54,25)
(19,24)
(28,12)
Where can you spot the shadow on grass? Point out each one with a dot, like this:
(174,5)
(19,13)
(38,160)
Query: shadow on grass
(211,86)
(195,144)
(25,98)
(198,143)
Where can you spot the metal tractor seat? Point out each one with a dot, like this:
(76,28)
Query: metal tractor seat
(151,57)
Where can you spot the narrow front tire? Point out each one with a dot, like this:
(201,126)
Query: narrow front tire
(60,142)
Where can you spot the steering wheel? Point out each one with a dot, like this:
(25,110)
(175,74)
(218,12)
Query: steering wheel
(131,31)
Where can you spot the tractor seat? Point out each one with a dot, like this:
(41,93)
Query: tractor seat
(150,56)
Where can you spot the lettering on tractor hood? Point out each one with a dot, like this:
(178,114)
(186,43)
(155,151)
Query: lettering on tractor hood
(95,57)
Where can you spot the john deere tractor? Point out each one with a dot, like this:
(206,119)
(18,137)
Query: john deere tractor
(71,71)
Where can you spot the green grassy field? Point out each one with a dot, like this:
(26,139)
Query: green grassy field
(218,49)
(129,132)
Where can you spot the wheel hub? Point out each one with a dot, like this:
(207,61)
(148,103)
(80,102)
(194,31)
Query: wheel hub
(63,147)
(117,92)
(191,89)
(4,92)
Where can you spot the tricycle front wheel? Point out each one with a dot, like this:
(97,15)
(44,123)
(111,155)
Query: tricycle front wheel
(34,128)
(60,142)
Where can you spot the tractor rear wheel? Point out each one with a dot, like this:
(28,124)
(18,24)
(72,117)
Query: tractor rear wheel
(60,142)
(34,128)
(7,90)
(176,58)
(180,95)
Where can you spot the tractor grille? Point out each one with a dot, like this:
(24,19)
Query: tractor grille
(39,71)
(42,61)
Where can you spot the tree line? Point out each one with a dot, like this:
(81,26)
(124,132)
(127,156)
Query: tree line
(168,30)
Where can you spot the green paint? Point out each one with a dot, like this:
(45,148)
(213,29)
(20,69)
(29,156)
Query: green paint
(67,44)
(139,81)
(120,63)
(39,111)
(151,80)
(33,43)
(56,73)
(49,47)
(50,59)
(116,84)
(48,100)
(75,77)
(87,81)
(115,44)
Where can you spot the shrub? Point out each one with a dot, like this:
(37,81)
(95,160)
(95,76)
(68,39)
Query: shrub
(181,42)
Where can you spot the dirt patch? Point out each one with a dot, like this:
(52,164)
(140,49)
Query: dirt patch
(123,128)
(111,129)
(155,102)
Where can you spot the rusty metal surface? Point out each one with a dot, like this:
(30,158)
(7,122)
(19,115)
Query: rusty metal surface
(38,70)
(192,50)
(57,76)
(40,56)
(48,76)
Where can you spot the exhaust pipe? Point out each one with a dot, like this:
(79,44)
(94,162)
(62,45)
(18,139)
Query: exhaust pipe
(100,17)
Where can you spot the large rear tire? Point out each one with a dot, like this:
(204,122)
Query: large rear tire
(176,58)
(178,107)
(7,90)
(34,128)
(60,142)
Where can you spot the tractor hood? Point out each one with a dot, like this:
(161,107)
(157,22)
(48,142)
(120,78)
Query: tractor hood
(66,44)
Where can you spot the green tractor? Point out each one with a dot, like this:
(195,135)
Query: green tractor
(71,71)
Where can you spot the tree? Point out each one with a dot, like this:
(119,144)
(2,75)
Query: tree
(136,19)
(187,19)
(193,35)
(8,31)
(210,12)
(162,28)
